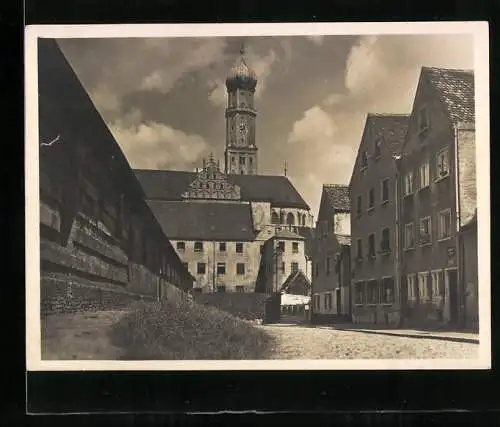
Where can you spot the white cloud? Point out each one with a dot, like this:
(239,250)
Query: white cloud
(105,99)
(154,145)
(316,126)
(217,92)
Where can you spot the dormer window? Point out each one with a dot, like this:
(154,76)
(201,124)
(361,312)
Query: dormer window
(423,119)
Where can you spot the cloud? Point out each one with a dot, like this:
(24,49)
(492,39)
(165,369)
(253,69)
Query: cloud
(107,100)
(150,145)
(316,127)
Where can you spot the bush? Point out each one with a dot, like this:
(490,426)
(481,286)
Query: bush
(170,330)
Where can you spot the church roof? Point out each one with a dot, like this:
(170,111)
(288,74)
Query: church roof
(338,196)
(241,74)
(169,185)
(455,90)
(204,220)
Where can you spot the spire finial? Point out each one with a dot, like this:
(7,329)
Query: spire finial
(285,169)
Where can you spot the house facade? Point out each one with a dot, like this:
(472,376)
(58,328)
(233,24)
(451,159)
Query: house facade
(331,256)
(99,241)
(373,199)
(438,195)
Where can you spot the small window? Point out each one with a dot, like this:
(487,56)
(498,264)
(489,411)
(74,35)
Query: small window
(423,119)
(359,296)
(409,236)
(181,246)
(442,164)
(410,283)
(408,184)
(425,230)
(221,268)
(222,246)
(281,246)
(385,191)
(294,267)
(295,247)
(385,244)
(221,288)
(444,224)
(359,205)
(233,159)
(240,289)
(201,268)
(371,199)
(371,245)
(376,150)
(240,268)
(424,174)
(364,160)
(239,248)
(198,246)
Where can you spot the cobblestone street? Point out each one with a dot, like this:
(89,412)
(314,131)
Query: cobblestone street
(301,342)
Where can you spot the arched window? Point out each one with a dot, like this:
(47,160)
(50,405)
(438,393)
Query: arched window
(282,218)
(304,220)
(290,219)
(275,218)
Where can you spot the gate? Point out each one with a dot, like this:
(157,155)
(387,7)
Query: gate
(273,309)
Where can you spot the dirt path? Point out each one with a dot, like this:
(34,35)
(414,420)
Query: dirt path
(300,342)
(80,336)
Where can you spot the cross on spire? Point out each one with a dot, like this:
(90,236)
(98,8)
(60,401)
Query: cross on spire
(285,167)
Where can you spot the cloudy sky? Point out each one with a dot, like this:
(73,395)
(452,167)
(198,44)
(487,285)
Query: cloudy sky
(164,98)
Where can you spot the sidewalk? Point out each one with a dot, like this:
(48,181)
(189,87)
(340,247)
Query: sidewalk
(454,336)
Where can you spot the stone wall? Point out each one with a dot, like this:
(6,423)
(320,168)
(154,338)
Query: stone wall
(61,293)
(250,306)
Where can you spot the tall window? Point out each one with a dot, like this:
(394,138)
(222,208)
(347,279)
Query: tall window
(409,236)
(201,268)
(242,161)
(222,246)
(221,268)
(371,199)
(239,248)
(442,164)
(444,224)
(423,290)
(295,267)
(240,268)
(275,219)
(385,244)
(290,219)
(359,205)
(410,283)
(385,190)
(424,174)
(373,292)
(181,246)
(281,246)
(378,144)
(425,230)
(371,245)
(437,283)
(198,246)
(388,290)
(295,247)
(359,249)
(408,184)
(364,160)
(423,119)
(359,296)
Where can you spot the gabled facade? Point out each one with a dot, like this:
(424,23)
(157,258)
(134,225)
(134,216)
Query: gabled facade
(372,188)
(331,255)
(438,194)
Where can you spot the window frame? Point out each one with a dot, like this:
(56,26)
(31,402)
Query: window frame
(295,247)
(219,266)
(199,243)
(408,184)
(407,247)
(372,239)
(239,245)
(371,199)
(387,249)
(382,200)
(440,236)
(439,176)
(198,264)
(240,272)
(411,280)
(427,183)
(292,264)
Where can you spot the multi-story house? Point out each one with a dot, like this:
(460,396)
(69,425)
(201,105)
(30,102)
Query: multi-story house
(438,197)
(331,256)
(283,255)
(373,220)
(100,244)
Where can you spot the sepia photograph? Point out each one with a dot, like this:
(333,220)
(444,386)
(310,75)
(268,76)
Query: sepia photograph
(258,196)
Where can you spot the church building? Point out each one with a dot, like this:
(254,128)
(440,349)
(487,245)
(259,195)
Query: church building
(219,219)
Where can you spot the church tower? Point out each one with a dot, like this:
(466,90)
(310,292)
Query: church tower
(241,152)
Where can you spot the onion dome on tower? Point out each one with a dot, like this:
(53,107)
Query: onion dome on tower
(241,75)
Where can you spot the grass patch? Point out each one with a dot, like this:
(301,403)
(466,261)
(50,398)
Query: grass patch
(169,330)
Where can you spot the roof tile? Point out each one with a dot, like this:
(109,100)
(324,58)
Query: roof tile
(338,196)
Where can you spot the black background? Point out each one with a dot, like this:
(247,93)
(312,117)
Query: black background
(309,397)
